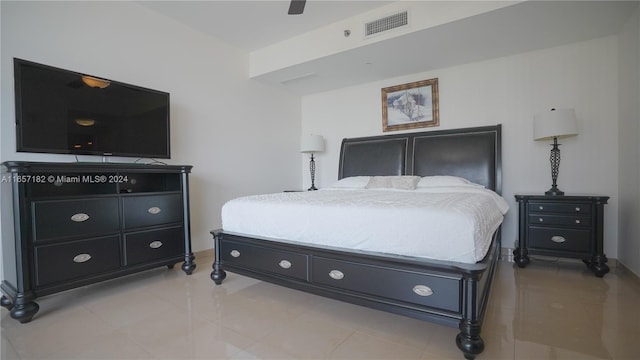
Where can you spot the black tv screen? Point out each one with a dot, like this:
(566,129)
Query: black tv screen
(64,112)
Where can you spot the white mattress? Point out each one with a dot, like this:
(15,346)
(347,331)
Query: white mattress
(444,223)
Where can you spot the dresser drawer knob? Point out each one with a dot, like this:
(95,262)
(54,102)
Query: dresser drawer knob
(577,221)
(540,219)
(80,217)
(558,239)
(154,210)
(155,244)
(422,290)
(80,258)
(235,253)
(336,274)
(577,209)
(541,207)
(285,264)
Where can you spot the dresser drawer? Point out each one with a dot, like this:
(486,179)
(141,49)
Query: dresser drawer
(286,263)
(77,259)
(570,240)
(147,246)
(435,291)
(560,207)
(64,218)
(574,221)
(139,211)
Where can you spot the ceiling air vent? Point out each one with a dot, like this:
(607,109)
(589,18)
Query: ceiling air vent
(387,23)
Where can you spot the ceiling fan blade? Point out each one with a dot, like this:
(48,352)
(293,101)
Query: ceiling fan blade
(296,7)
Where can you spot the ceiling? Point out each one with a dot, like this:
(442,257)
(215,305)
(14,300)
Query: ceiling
(252,25)
(525,26)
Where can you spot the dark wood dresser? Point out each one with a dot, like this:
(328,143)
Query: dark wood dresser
(562,226)
(67,225)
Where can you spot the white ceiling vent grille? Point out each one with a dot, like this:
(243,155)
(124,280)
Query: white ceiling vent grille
(387,23)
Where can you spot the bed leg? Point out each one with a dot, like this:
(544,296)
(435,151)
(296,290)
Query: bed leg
(469,340)
(217,275)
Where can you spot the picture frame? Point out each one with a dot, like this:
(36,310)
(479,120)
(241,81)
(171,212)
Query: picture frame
(410,106)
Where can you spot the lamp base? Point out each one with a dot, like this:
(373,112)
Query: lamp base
(312,188)
(554,191)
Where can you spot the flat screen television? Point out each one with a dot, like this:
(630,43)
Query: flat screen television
(65,112)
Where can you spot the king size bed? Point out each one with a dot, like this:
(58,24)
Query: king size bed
(411,227)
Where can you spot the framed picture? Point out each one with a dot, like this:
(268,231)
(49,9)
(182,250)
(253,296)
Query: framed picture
(410,106)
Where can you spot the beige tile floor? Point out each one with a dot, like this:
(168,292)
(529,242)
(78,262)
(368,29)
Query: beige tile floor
(550,310)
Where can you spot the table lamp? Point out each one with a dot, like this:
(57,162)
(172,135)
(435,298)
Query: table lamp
(312,144)
(555,124)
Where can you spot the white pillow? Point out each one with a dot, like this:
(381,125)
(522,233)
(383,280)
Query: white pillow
(393,182)
(352,182)
(444,180)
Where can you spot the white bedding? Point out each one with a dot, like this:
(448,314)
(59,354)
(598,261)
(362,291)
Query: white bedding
(453,223)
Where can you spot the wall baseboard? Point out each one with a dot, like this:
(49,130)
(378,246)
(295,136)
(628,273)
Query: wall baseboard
(208,253)
(506,254)
(627,272)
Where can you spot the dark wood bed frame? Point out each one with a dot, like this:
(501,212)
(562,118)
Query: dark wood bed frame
(449,293)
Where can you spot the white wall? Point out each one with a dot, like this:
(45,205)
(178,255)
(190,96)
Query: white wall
(240,136)
(629,145)
(507,91)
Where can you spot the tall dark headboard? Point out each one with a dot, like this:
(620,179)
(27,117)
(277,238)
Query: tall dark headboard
(472,153)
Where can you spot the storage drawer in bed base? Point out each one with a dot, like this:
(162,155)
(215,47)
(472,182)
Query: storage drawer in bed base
(262,258)
(446,293)
(423,289)
(341,276)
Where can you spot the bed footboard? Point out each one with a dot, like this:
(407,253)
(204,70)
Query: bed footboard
(448,293)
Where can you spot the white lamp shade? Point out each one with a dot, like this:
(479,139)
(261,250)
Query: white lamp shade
(311,143)
(555,123)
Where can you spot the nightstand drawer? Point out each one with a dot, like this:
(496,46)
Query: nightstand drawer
(563,208)
(570,240)
(574,221)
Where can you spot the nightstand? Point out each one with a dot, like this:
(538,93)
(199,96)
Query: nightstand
(562,226)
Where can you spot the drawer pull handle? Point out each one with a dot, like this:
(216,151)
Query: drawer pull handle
(154,210)
(155,244)
(80,217)
(336,274)
(540,219)
(541,207)
(577,209)
(80,258)
(422,290)
(285,264)
(235,253)
(558,239)
(578,221)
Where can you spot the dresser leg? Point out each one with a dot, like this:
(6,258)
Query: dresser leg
(6,303)
(24,312)
(598,265)
(521,257)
